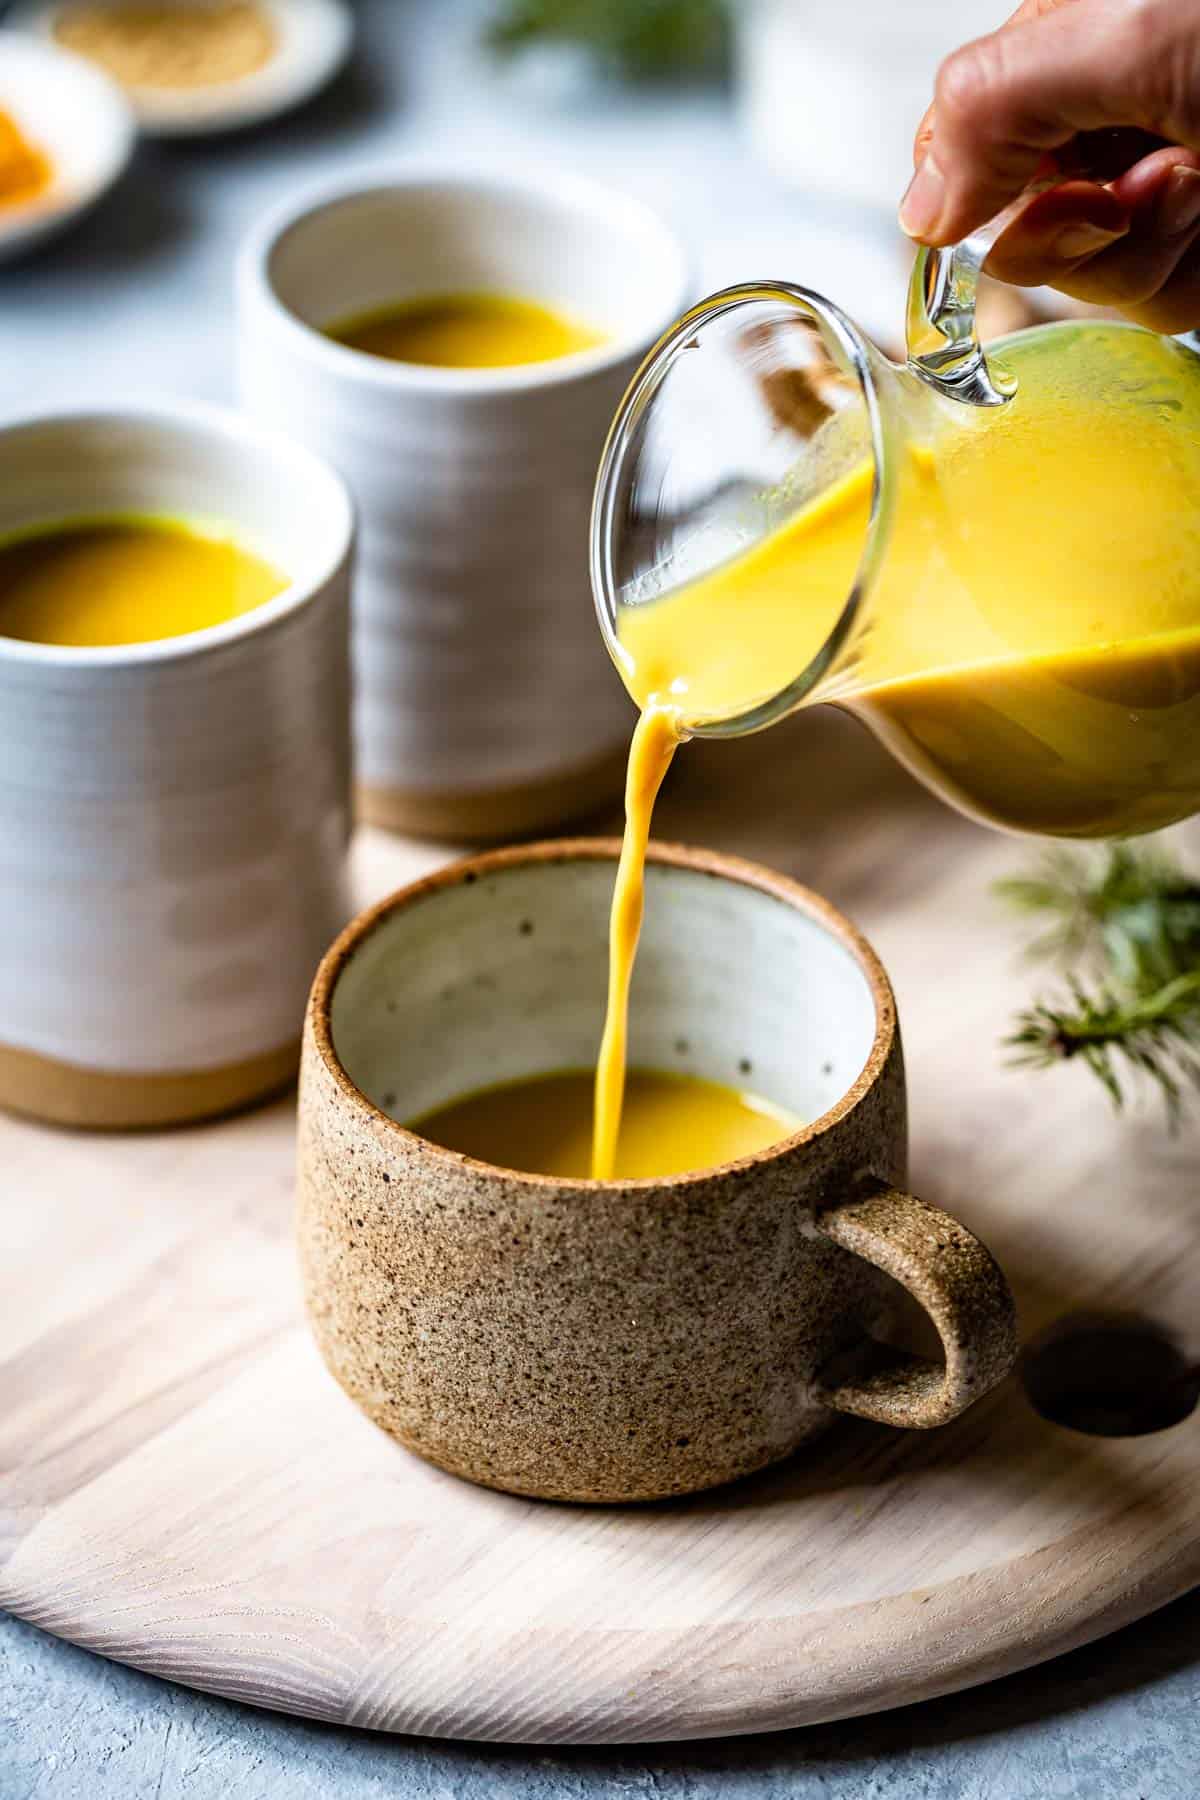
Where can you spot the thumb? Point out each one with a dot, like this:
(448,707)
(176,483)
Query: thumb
(1006,101)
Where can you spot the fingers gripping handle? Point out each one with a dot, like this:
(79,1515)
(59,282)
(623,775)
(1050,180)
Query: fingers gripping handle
(958,1283)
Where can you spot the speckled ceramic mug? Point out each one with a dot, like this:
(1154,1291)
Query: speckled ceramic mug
(610,1341)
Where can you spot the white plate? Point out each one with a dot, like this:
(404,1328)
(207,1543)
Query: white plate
(78,117)
(312,41)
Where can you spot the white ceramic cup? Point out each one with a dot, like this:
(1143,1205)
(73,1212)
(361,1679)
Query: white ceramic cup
(485,705)
(173,814)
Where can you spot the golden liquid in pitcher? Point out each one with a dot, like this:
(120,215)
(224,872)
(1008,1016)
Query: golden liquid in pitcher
(125,581)
(466,331)
(1033,646)
(672,1123)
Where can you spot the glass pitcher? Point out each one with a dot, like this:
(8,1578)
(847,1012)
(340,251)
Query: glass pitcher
(993,560)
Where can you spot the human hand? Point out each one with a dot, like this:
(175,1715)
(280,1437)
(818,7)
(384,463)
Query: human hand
(1102,96)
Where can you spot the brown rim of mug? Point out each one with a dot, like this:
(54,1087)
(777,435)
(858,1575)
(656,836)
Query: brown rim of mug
(559,850)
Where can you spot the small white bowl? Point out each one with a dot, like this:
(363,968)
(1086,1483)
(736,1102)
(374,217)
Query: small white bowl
(78,117)
(312,41)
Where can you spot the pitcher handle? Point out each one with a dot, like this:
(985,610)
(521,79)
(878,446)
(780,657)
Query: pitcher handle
(958,1283)
(942,342)
(943,345)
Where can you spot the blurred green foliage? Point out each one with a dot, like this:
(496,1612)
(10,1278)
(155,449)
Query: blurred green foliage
(1125,926)
(638,40)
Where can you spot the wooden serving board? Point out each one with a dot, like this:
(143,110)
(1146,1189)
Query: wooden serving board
(184,1488)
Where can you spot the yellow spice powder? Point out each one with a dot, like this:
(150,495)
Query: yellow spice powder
(25,171)
(180,46)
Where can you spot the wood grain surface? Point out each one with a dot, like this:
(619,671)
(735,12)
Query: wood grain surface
(183,1487)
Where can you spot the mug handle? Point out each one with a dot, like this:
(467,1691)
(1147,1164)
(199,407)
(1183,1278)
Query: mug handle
(958,1283)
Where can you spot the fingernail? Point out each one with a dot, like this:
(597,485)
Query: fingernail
(1179,205)
(922,205)
(1076,241)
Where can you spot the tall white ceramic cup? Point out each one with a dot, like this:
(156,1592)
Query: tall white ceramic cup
(173,814)
(484,703)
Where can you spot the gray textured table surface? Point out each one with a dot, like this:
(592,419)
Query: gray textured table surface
(1116,1721)
(136,302)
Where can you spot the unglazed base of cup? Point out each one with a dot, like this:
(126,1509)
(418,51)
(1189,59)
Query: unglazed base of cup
(62,1093)
(490,815)
(699,1478)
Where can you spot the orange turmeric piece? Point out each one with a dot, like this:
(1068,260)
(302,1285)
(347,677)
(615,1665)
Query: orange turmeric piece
(25,171)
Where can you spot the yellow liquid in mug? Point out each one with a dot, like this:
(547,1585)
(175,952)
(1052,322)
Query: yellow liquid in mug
(125,581)
(1034,648)
(672,1123)
(466,331)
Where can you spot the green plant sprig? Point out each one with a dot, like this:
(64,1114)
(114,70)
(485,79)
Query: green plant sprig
(641,40)
(1127,929)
